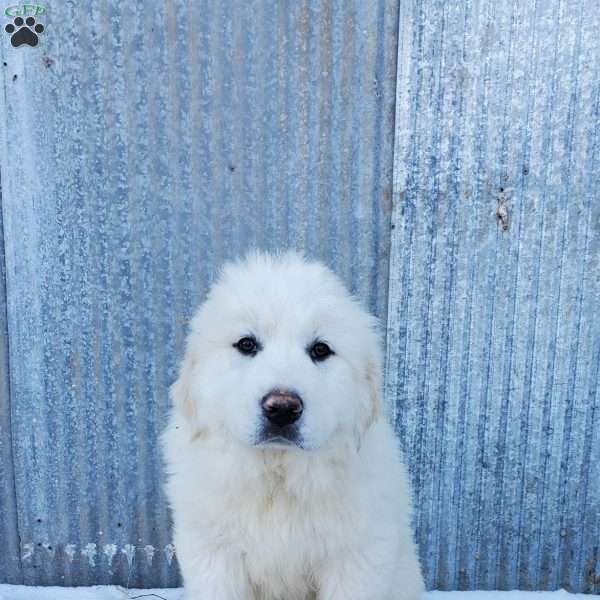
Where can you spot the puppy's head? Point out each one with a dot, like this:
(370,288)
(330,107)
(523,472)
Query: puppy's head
(280,355)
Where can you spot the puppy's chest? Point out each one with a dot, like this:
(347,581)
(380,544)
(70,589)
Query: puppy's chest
(284,541)
(285,527)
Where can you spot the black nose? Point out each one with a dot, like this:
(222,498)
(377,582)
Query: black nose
(282,407)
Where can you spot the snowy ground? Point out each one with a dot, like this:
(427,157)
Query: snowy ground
(16,592)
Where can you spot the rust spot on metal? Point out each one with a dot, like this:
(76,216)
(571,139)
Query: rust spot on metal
(502,210)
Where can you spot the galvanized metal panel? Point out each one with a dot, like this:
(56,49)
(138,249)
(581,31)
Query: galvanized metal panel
(141,147)
(494,318)
(9,537)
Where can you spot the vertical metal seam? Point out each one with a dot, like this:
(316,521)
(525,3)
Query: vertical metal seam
(593,393)
(549,371)
(388,401)
(11,444)
(581,284)
(3,160)
(489,320)
(437,420)
(388,305)
(533,318)
(457,489)
(509,334)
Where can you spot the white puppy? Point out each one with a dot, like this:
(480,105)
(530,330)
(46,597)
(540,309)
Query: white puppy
(285,478)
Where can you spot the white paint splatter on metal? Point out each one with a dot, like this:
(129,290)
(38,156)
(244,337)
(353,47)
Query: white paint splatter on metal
(109,551)
(494,318)
(27,551)
(169,553)
(90,552)
(129,551)
(70,550)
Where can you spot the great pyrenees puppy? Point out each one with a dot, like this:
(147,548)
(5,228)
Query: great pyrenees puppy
(285,477)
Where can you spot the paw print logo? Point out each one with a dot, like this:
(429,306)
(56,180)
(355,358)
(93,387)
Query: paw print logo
(24,32)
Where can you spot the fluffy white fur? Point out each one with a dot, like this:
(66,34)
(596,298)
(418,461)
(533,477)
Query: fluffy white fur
(329,520)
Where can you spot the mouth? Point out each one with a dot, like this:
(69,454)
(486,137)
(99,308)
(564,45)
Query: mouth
(278,443)
(279,438)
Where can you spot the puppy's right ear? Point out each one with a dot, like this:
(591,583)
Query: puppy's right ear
(181,390)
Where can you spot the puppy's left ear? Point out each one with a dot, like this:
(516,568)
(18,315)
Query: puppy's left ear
(372,405)
(374,378)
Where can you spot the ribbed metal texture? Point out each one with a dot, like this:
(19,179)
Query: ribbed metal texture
(494,320)
(9,545)
(141,147)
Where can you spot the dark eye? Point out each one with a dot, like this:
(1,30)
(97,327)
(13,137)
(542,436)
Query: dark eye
(247,346)
(320,351)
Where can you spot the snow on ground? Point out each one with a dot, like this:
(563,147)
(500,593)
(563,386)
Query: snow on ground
(18,592)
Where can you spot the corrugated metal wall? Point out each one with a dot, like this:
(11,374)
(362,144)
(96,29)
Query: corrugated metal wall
(494,320)
(141,147)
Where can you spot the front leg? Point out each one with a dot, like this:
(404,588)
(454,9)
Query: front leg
(372,575)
